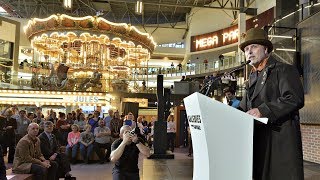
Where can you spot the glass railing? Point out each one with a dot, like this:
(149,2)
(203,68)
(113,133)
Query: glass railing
(187,69)
(135,82)
(45,83)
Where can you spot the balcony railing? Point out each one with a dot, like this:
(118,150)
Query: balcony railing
(135,83)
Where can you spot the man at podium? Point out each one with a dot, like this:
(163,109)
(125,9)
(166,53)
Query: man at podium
(274,91)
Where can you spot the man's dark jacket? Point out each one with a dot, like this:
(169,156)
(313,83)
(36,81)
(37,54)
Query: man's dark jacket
(278,94)
(48,150)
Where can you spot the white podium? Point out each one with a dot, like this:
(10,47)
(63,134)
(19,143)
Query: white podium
(222,139)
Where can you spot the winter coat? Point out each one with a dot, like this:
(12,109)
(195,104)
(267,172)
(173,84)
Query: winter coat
(278,94)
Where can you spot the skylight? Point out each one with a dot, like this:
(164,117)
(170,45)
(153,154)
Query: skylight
(2,11)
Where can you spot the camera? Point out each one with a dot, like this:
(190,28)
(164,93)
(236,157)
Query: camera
(132,132)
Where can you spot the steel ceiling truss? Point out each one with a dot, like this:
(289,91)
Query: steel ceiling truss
(156,12)
(234,4)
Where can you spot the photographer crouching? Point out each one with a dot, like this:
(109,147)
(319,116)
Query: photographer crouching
(125,153)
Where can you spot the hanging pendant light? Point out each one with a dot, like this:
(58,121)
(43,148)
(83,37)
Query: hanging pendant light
(67,4)
(139,7)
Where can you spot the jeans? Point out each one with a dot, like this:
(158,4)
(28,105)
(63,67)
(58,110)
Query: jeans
(86,151)
(74,150)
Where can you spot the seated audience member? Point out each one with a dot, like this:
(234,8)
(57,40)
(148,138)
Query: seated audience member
(28,158)
(50,150)
(125,154)
(102,140)
(86,143)
(73,142)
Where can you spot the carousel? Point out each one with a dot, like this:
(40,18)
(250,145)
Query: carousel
(85,54)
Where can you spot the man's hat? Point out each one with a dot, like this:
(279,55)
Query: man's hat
(256,36)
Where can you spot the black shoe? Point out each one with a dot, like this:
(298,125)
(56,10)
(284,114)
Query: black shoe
(68,175)
(86,160)
(102,162)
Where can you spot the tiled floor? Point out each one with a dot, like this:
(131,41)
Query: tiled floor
(311,171)
(180,168)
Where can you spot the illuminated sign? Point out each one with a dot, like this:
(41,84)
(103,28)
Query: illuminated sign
(204,42)
(86,99)
(229,35)
(216,39)
(53,98)
(142,102)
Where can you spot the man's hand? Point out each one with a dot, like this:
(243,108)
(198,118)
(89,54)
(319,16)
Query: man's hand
(255,113)
(45,164)
(127,137)
(53,157)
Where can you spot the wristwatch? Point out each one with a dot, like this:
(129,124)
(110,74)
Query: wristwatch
(137,142)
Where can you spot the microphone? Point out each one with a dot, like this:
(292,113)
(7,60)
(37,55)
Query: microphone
(246,63)
(208,85)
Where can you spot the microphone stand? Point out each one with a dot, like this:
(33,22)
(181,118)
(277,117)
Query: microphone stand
(208,85)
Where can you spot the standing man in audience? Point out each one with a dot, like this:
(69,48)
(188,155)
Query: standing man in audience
(28,158)
(108,118)
(115,125)
(22,124)
(102,141)
(50,150)
(125,154)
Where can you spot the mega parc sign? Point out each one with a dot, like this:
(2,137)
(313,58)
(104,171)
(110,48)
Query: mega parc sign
(229,35)
(215,39)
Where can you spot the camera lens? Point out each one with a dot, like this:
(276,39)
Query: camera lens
(132,132)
